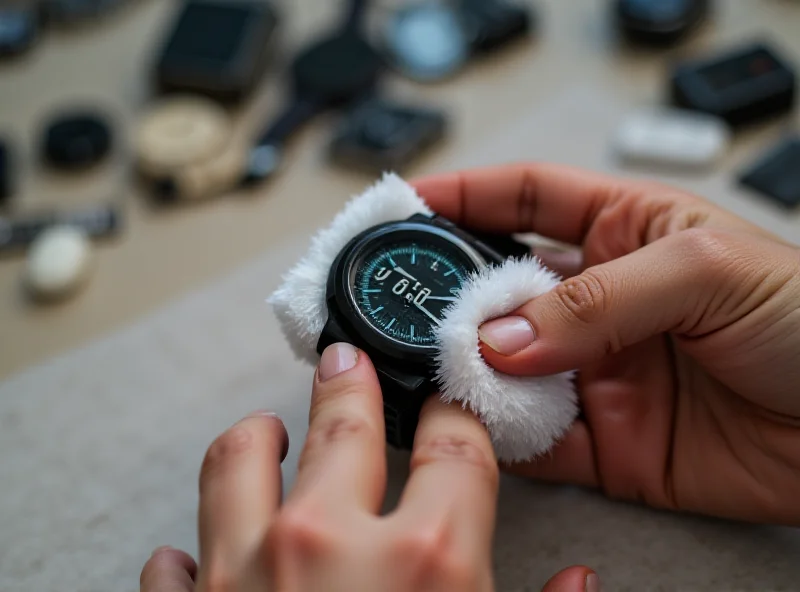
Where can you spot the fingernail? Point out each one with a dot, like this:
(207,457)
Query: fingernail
(160,549)
(263,413)
(336,358)
(592,583)
(507,335)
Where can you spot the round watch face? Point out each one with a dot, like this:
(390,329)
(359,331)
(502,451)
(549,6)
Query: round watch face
(401,284)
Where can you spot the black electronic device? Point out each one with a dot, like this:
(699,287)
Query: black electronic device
(659,22)
(76,139)
(427,41)
(6,172)
(776,174)
(491,24)
(336,70)
(387,290)
(379,135)
(744,85)
(70,12)
(95,221)
(430,41)
(19,29)
(218,48)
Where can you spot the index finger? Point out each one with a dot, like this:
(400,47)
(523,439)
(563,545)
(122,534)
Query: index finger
(553,200)
(453,484)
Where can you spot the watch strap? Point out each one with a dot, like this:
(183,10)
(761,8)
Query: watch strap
(496,247)
(401,409)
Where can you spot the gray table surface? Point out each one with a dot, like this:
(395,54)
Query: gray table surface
(101,445)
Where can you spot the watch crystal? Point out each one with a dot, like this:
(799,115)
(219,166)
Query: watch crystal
(403,287)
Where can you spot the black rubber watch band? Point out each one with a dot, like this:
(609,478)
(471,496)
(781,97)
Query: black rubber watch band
(401,410)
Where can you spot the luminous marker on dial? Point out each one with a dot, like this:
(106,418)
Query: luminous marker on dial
(389,326)
(449,272)
(372,291)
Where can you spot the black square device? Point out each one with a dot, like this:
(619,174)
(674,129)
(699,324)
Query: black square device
(744,85)
(217,48)
(378,135)
(776,174)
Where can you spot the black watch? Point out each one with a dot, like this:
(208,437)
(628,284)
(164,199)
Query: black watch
(386,293)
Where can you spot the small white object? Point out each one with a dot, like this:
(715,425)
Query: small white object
(58,262)
(672,137)
(524,415)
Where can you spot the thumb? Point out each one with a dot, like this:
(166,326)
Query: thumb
(692,282)
(573,579)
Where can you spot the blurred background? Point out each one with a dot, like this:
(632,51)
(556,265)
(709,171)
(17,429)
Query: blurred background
(102,79)
(162,162)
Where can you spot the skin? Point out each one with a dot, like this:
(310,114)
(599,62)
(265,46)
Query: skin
(682,320)
(328,534)
(684,323)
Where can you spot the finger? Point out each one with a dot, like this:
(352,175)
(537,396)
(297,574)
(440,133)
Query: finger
(573,579)
(168,570)
(452,487)
(240,491)
(556,201)
(571,460)
(343,461)
(691,283)
(565,263)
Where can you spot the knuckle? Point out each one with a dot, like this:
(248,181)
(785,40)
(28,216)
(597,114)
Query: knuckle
(432,556)
(345,388)
(706,245)
(455,449)
(325,432)
(301,530)
(225,449)
(586,297)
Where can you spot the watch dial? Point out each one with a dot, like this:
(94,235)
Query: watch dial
(403,287)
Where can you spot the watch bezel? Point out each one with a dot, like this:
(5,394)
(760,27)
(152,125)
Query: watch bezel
(343,272)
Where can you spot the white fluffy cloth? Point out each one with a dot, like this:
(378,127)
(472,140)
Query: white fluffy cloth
(524,416)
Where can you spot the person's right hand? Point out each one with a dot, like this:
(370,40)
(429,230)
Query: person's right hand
(684,322)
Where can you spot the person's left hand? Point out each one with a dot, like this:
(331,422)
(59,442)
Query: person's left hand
(329,534)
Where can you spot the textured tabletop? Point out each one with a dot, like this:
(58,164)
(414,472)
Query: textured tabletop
(101,446)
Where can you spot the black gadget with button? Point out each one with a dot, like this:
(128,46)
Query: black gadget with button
(218,48)
(744,85)
(379,135)
(776,174)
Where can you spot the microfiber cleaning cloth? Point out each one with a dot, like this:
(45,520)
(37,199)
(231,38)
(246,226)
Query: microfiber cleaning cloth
(525,416)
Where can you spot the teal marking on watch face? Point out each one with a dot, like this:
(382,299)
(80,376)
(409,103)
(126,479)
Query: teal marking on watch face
(402,288)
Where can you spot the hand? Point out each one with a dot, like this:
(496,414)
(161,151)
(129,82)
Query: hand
(329,535)
(684,323)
